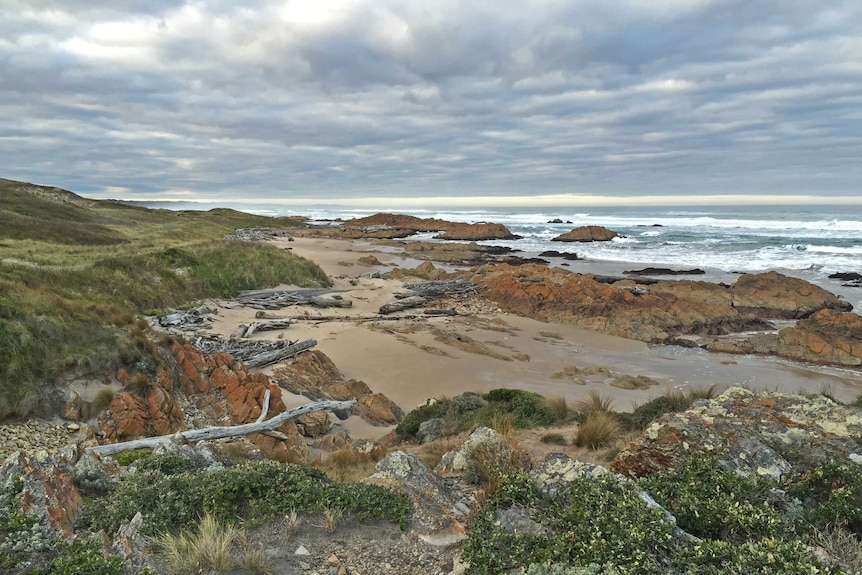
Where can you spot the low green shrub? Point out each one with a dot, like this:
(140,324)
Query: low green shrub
(252,491)
(712,503)
(831,496)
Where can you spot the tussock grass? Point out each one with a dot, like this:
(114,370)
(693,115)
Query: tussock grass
(209,547)
(600,429)
(559,406)
(595,401)
(101,400)
(494,462)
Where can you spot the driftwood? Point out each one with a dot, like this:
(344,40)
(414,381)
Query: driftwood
(270,299)
(268,315)
(246,330)
(441,288)
(258,426)
(199,317)
(241,350)
(402,304)
(267,358)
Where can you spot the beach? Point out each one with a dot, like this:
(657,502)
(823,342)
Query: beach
(482,348)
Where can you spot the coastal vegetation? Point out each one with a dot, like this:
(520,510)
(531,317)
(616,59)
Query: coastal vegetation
(76,273)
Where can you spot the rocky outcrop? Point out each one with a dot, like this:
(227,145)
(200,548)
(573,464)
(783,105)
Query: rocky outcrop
(129,415)
(826,337)
(315,376)
(425,270)
(438,516)
(587,234)
(399,221)
(775,295)
(665,310)
(217,384)
(773,435)
(477,232)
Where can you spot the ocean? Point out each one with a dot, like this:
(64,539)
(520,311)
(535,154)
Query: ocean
(811,242)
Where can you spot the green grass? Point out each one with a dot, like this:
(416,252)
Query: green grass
(74,274)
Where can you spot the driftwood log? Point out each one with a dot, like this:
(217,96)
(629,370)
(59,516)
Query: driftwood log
(402,304)
(269,357)
(269,299)
(206,433)
(247,329)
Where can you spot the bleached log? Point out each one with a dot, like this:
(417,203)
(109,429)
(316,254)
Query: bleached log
(402,304)
(268,315)
(209,433)
(269,357)
(266,325)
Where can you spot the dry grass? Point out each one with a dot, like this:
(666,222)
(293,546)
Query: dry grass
(348,464)
(559,406)
(330,518)
(492,463)
(209,547)
(704,392)
(253,559)
(291,523)
(101,400)
(842,546)
(595,402)
(140,385)
(599,430)
(432,452)
(503,423)
(554,439)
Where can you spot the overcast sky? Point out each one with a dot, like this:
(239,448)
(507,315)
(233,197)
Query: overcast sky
(312,100)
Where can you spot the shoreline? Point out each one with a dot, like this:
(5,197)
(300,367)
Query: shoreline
(410,361)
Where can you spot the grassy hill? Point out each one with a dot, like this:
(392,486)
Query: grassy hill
(75,273)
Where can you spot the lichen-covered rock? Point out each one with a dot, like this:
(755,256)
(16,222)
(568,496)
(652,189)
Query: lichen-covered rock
(772,435)
(43,486)
(775,295)
(587,234)
(130,416)
(557,471)
(313,424)
(437,516)
(461,459)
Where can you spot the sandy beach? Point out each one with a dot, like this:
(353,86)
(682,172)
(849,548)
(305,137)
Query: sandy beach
(483,348)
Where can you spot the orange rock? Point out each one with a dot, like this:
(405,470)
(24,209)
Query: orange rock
(587,234)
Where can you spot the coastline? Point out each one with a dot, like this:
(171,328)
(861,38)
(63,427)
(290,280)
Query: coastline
(411,361)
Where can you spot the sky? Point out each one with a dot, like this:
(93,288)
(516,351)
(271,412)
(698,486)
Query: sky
(395,102)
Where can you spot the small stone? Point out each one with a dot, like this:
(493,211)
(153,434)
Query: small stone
(73,427)
(301,550)
(334,560)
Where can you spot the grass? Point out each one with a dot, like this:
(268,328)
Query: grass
(600,429)
(559,406)
(212,546)
(101,400)
(349,464)
(594,402)
(75,273)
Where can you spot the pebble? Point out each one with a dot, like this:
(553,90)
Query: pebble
(301,550)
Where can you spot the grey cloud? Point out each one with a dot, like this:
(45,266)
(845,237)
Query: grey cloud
(397,98)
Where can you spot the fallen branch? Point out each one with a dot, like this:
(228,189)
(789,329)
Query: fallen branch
(208,433)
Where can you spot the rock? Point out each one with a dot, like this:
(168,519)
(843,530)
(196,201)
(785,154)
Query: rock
(370,261)
(130,416)
(434,519)
(477,232)
(461,460)
(664,272)
(399,221)
(773,435)
(775,295)
(846,276)
(334,441)
(315,376)
(132,547)
(313,424)
(48,491)
(557,254)
(556,472)
(587,234)
(827,336)
(302,551)
(72,408)
(517,520)
(430,429)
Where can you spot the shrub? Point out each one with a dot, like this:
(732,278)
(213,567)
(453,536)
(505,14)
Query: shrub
(599,429)
(710,502)
(832,496)
(530,409)
(84,558)
(643,415)
(409,426)
(598,520)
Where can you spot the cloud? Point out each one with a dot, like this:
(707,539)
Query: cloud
(335,99)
